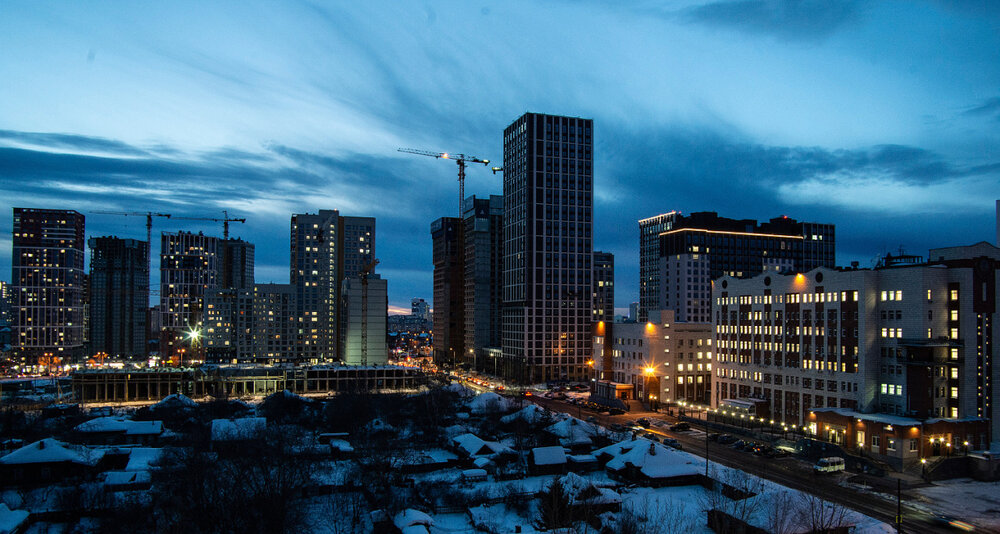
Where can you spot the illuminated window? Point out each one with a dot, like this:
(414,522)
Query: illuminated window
(953,294)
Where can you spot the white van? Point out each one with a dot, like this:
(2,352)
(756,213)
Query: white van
(830,464)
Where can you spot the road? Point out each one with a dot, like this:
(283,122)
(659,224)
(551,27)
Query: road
(788,472)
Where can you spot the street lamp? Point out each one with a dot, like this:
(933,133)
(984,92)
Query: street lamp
(923,468)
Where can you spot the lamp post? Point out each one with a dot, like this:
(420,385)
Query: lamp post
(965,446)
(923,468)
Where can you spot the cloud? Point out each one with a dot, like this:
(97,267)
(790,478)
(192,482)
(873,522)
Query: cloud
(791,20)
(986,108)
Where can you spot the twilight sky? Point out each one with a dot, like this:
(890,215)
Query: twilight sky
(880,117)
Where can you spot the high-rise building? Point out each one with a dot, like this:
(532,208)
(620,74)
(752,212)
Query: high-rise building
(650,229)
(188,271)
(547,261)
(326,248)
(906,339)
(6,303)
(419,309)
(604,287)
(703,246)
(48,282)
(365,308)
(275,334)
(119,296)
(229,327)
(483,275)
(449,291)
(236,264)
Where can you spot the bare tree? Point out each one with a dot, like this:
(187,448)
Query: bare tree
(820,516)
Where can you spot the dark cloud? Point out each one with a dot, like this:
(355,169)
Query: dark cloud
(792,20)
(74,142)
(987,108)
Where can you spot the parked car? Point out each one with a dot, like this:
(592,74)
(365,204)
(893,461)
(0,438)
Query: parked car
(616,428)
(714,436)
(643,422)
(726,439)
(616,411)
(671,442)
(680,427)
(651,436)
(764,450)
(591,419)
(742,445)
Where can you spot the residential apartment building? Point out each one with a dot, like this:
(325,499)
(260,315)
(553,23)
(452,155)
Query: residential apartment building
(276,326)
(326,248)
(650,229)
(482,234)
(604,287)
(548,248)
(48,284)
(906,339)
(119,296)
(189,270)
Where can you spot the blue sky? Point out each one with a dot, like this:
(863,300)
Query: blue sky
(880,117)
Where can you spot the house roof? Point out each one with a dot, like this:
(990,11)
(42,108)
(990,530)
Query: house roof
(142,458)
(555,455)
(49,451)
(489,401)
(475,446)
(411,517)
(572,431)
(110,424)
(11,520)
(176,400)
(655,461)
(530,414)
(127,478)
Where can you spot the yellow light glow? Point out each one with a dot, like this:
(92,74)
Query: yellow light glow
(649,370)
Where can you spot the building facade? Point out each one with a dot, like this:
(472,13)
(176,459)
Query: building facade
(48,283)
(665,361)
(420,309)
(482,234)
(604,287)
(236,264)
(701,247)
(911,340)
(325,249)
(275,334)
(119,296)
(189,269)
(547,252)
(449,291)
(366,305)
(650,229)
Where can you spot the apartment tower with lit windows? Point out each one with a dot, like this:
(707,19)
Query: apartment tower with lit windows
(547,248)
(48,284)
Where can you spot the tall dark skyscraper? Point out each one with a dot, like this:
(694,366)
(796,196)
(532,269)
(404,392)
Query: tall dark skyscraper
(236,266)
(326,248)
(483,275)
(119,296)
(449,291)
(604,287)
(48,278)
(547,261)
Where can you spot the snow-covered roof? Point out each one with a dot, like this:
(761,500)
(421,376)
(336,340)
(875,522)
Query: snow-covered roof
(475,446)
(530,414)
(11,520)
(377,425)
(127,478)
(341,445)
(411,517)
(51,451)
(141,458)
(120,424)
(474,473)
(176,400)
(238,429)
(490,402)
(874,417)
(617,449)
(572,431)
(655,461)
(581,458)
(584,492)
(554,455)
(482,462)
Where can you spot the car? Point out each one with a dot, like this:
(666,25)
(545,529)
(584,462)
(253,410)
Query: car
(616,411)
(559,395)
(830,464)
(953,523)
(616,428)
(591,419)
(673,443)
(680,427)
(643,422)
(764,450)
(652,437)
(742,445)
(726,439)
(714,436)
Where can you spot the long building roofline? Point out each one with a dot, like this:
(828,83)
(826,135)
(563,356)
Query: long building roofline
(761,234)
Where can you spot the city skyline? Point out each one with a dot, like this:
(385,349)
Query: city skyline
(881,120)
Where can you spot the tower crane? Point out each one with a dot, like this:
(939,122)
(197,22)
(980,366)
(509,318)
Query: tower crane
(148,215)
(225,221)
(460,159)
(365,271)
